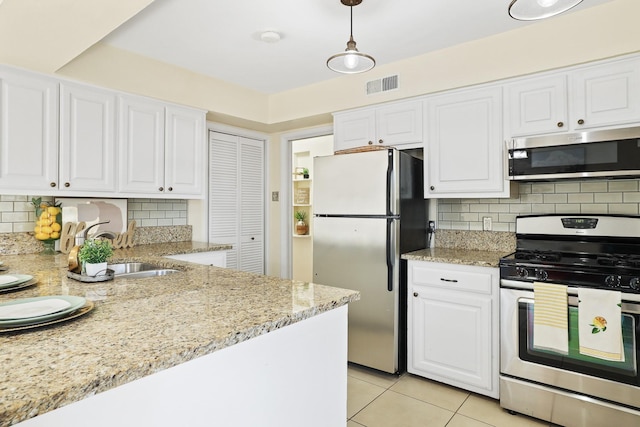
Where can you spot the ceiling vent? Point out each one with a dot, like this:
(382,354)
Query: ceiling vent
(382,85)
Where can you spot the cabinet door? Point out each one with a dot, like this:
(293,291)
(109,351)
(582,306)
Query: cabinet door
(141,146)
(354,129)
(537,106)
(213,258)
(185,151)
(464,146)
(606,94)
(399,124)
(87,138)
(28,132)
(451,337)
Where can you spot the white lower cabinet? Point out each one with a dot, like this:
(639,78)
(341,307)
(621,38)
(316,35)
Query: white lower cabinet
(212,258)
(453,325)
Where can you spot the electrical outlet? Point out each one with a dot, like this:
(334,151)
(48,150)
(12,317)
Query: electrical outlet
(275,196)
(486,223)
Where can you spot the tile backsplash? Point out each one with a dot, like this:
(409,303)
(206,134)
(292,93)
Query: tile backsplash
(582,196)
(17,213)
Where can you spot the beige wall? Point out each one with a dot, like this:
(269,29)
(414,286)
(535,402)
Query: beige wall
(599,32)
(45,35)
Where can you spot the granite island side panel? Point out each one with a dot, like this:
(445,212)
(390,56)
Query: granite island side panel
(140,326)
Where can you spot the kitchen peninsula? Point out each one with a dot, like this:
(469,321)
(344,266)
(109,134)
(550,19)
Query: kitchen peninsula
(202,346)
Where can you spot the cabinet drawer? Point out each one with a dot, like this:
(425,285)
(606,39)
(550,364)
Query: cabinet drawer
(468,281)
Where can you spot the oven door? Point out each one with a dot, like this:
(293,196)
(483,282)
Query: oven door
(612,381)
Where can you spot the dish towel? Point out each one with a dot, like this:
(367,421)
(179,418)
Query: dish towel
(550,317)
(600,324)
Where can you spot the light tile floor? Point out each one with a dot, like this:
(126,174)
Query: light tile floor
(376,399)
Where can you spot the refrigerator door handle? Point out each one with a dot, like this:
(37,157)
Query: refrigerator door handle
(391,245)
(390,185)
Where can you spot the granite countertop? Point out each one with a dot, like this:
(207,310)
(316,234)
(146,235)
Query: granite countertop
(457,256)
(140,326)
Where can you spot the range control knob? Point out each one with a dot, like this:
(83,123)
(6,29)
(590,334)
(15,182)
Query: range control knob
(635,284)
(542,275)
(612,281)
(522,272)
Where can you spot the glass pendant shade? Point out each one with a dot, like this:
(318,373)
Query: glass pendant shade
(351,61)
(531,10)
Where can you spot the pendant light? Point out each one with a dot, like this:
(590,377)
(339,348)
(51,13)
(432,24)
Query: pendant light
(351,61)
(531,10)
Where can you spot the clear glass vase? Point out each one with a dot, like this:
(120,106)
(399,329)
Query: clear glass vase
(48,227)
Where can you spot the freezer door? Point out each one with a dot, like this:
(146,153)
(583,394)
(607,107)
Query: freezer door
(352,253)
(356,184)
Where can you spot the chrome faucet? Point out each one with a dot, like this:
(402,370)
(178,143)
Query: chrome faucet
(108,234)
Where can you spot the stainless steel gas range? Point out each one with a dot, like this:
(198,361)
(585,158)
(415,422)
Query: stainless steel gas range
(564,255)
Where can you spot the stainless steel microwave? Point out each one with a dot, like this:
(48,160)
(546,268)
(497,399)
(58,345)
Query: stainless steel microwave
(610,153)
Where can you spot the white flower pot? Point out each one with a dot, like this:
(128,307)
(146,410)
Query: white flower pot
(94,270)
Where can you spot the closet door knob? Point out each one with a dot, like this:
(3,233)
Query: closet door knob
(580,122)
(170,188)
(560,124)
(370,142)
(66,184)
(53,184)
(161,189)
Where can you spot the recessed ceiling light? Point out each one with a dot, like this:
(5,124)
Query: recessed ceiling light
(270,37)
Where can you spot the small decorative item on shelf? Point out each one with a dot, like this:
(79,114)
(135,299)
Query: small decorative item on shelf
(94,255)
(301,227)
(48,224)
(305,173)
(302,196)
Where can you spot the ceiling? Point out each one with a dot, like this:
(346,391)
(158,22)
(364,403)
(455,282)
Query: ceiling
(221,38)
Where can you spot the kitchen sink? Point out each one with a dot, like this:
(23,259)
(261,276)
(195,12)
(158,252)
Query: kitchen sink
(139,269)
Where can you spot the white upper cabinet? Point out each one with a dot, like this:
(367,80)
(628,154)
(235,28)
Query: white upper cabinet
(87,138)
(537,106)
(582,98)
(64,138)
(605,95)
(141,163)
(392,125)
(162,149)
(28,132)
(185,151)
(464,147)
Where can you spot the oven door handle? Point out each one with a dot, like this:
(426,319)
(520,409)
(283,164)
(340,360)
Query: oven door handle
(631,307)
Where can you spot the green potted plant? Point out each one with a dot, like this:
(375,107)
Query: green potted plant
(94,255)
(301,226)
(305,173)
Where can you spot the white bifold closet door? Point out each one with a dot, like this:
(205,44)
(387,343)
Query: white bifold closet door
(236,199)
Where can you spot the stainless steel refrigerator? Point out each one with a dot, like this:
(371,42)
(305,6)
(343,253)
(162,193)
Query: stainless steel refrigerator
(369,208)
